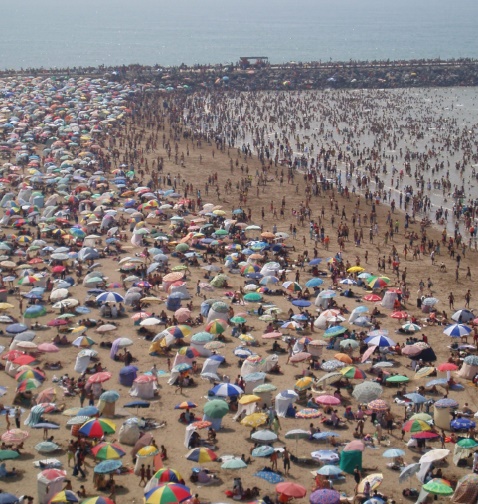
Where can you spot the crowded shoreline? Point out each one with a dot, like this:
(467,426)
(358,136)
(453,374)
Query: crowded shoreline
(206,187)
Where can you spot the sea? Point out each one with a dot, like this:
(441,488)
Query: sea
(62,33)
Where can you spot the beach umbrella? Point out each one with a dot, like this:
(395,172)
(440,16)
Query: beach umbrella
(380,341)
(168,475)
(254,419)
(308,413)
(393,453)
(83,342)
(331,365)
(8,454)
(30,374)
(234,464)
(434,455)
(28,384)
(216,408)
(353,373)
(378,282)
(35,311)
(424,371)
(411,327)
(253,297)
(378,405)
(179,331)
(416,426)
(447,366)
(47,447)
(330,378)
(349,343)
(8,498)
(290,489)
(97,500)
(367,392)
(97,427)
(99,377)
(327,400)
(438,486)
(374,298)
(216,326)
(416,398)
(397,379)
(425,435)
(48,348)
(108,466)
(14,436)
(421,416)
(148,451)
(346,359)
(374,480)
(110,297)
(468,443)
(186,405)
(462,424)
(167,493)
(324,496)
(409,471)
(329,470)
(262,451)
(264,436)
(108,451)
(65,496)
(201,455)
(88,411)
(300,357)
(457,330)
(333,331)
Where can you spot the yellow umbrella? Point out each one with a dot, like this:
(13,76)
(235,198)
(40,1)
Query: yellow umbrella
(247,338)
(148,451)
(254,419)
(424,371)
(304,383)
(355,269)
(6,306)
(248,399)
(151,299)
(79,329)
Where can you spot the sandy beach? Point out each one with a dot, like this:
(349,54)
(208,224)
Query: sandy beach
(151,135)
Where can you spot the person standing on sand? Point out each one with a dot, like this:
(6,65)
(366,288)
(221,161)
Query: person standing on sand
(286,461)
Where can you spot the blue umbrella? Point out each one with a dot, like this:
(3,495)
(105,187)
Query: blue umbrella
(315,261)
(263,451)
(380,341)
(314,282)
(8,498)
(457,330)
(438,381)
(88,411)
(329,470)
(264,436)
(243,353)
(302,303)
(446,403)
(46,447)
(335,331)
(462,424)
(226,390)
(393,453)
(16,328)
(82,310)
(45,425)
(269,476)
(110,297)
(108,466)
(416,398)
(109,396)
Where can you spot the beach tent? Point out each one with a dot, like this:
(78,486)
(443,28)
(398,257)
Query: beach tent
(127,375)
(270,269)
(245,409)
(188,433)
(469,368)
(441,417)
(181,289)
(209,369)
(388,300)
(82,362)
(253,380)
(143,387)
(349,460)
(173,303)
(466,490)
(320,322)
(129,432)
(219,310)
(264,391)
(47,487)
(283,400)
(253,364)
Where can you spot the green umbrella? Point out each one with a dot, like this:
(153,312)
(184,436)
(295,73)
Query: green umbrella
(237,320)
(467,443)
(8,454)
(253,296)
(398,379)
(234,463)
(182,247)
(437,486)
(220,232)
(216,408)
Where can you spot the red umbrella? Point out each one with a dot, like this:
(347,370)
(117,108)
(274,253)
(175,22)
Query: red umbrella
(144,378)
(53,474)
(356,444)
(368,353)
(399,315)
(372,297)
(291,489)
(425,435)
(100,377)
(57,322)
(58,269)
(272,335)
(300,357)
(24,360)
(447,366)
(411,350)
(47,348)
(12,355)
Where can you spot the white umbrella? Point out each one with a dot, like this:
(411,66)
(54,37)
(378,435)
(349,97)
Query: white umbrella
(151,321)
(434,455)
(59,294)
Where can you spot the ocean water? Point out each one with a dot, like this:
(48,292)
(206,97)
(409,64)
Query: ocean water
(59,33)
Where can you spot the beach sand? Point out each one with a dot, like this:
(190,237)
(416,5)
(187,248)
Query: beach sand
(232,439)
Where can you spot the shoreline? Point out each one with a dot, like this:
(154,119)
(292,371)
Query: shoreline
(312,75)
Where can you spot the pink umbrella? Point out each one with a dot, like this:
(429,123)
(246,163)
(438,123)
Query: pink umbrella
(272,335)
(328,400)
(100,377)
(53,474)
(411,350)
(48,348)
(378,405)
(143,441)
(368,353)
(300,357)
(182,315)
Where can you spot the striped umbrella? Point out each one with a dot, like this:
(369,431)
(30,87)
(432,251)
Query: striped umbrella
(378,405)
(108,451)
(168,475)
(168,493)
